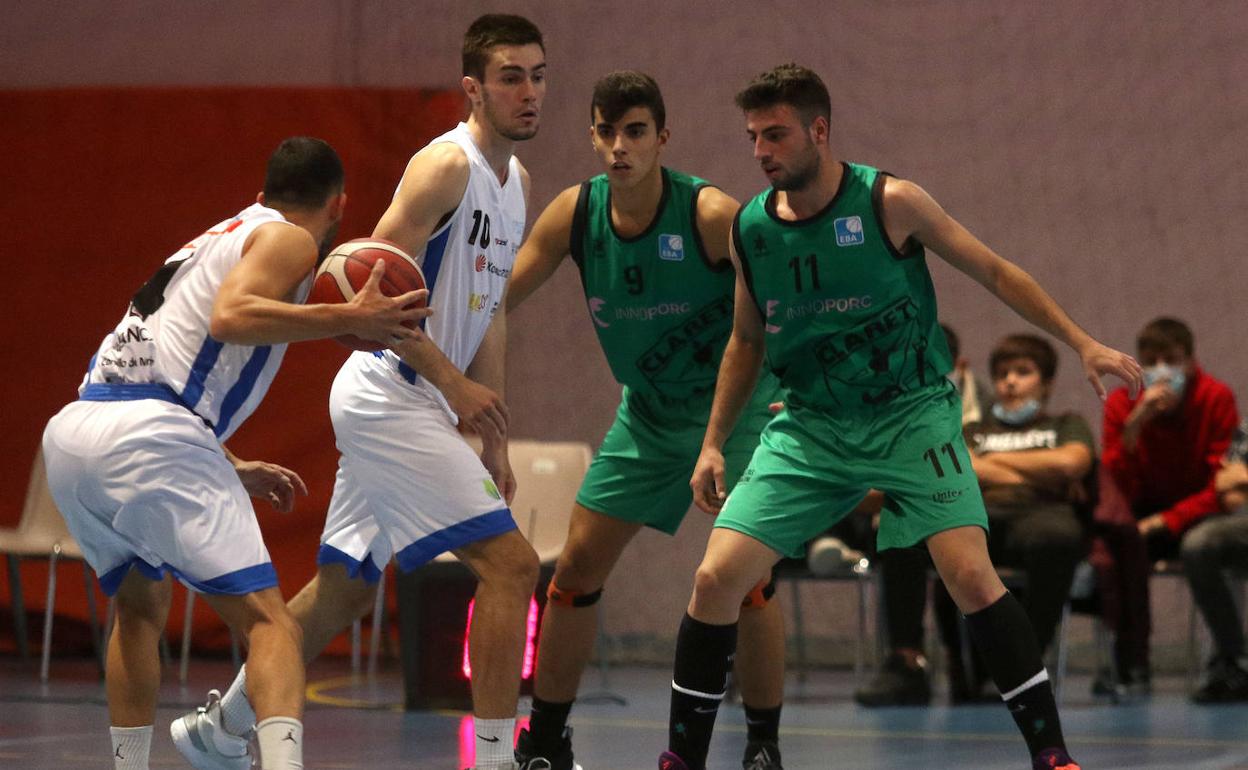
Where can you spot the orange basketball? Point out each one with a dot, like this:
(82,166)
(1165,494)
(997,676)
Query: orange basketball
(346,270)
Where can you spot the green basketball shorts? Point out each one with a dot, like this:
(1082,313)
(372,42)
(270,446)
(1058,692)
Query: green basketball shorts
(813,467)
(641,472)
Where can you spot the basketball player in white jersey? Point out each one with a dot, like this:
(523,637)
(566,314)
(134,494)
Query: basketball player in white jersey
(137,466)
(409,487)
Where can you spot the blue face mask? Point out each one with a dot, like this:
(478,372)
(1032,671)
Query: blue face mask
(1175,377)
(1019,415)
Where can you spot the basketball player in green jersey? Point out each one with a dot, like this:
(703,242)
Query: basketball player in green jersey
(833,289)
(651,245)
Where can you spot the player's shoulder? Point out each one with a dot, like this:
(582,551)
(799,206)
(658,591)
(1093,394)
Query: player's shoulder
(281,236)
(902,192)
(714,202)
(563,206)
(441,158)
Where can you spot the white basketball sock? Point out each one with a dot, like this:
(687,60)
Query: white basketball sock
(281,743)
(237,715)
(131,746)
(495,750)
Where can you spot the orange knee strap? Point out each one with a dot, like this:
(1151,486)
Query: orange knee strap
(565,598)
(760,594)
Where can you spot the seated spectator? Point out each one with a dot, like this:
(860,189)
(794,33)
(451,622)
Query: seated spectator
(1162,452)
(1035,470)
(903,678)
(1219,543)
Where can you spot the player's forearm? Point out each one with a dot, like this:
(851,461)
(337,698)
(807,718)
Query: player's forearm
(428,361)
(1016,288)
(489,365)
(738,375)
(260,321)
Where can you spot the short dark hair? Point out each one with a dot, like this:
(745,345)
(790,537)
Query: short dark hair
(1164,333)
(790,84)
(495,29)
(618,92)
(1029,346)
(303,172)
(951,339)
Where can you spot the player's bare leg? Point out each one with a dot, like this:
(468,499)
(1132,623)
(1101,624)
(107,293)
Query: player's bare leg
(569,627)
(132,678)
(275,672)
(1003,634)
(734,563)
(506,568)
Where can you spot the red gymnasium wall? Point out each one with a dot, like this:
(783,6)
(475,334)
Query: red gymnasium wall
(101,185)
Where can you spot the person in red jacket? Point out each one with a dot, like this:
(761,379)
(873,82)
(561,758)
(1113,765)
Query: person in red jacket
(1161,453)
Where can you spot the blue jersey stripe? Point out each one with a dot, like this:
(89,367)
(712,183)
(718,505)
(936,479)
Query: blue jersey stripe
(239,394)
(434,251)
(204,361)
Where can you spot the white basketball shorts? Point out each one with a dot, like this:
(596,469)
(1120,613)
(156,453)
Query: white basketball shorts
(408,485)
(145,484)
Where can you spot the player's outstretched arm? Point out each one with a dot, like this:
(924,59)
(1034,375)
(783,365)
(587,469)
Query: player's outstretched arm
(544,249)
(738,374)
(910,212)
(254,304)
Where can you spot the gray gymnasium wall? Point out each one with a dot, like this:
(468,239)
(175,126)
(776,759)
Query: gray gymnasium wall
(1098,144)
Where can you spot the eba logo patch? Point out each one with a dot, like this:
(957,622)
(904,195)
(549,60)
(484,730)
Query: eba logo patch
(672,248)
(849,231)
(491,489)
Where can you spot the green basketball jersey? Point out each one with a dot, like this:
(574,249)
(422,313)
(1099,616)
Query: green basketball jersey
(662,311)
(850,320)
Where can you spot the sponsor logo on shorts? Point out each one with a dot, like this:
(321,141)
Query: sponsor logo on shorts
(671,248)
(849,231)
(491,489)
(947,495)
(477,302)
(480,263)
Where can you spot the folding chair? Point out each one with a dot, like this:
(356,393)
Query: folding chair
(41,533)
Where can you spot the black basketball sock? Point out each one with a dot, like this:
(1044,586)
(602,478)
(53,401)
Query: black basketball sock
(546,723)
(1004,637)
(762,725)
(703,659)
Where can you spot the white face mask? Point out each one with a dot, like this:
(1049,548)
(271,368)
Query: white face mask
(1019,415)
(1175,377)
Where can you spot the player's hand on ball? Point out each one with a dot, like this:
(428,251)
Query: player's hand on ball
(709,489)
(387,320)
(271,482)
(1099,360)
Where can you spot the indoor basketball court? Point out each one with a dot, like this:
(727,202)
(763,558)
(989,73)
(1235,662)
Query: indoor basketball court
(1097,147)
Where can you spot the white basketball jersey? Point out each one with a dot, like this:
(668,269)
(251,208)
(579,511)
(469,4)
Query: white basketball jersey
(164,339)
(467,262)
